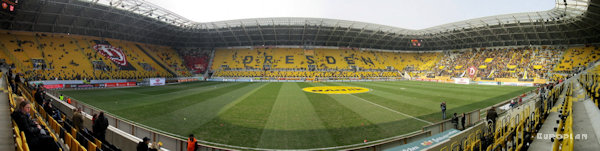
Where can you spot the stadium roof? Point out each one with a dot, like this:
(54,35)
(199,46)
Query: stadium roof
(412,15)
(570,22)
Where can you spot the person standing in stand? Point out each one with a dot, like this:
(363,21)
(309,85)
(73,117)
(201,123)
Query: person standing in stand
(191,143)
(100,126)
(491,117)
(143,145)
(443,107)
(463,121)
(78,119)
(455,121)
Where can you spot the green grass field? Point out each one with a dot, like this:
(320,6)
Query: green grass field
(282,116)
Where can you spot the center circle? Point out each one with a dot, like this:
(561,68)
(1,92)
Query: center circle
(335,89)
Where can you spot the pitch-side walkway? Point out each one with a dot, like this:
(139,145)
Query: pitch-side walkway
(586,121)
(6,139)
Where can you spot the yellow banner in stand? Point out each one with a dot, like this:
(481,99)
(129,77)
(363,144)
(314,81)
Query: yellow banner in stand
(336,90)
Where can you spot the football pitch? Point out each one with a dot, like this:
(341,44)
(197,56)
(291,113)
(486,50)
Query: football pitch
(281,115)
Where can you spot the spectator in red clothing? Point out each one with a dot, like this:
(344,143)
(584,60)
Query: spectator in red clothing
(191,143)
(520,100)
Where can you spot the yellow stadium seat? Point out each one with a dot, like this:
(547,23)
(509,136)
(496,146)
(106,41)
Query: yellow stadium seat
(69,57)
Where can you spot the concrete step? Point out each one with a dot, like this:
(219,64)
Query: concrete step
(6,131)
(544,143)
(586,119)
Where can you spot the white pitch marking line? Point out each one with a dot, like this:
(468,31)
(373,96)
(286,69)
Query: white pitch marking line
(392,110)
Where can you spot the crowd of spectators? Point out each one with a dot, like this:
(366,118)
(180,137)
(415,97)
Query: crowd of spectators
(519,62)
(38,136)
(59,57)
(508,62)
(195,60)
(25,118)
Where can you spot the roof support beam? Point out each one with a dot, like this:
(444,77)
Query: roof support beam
(304,32)
(62,11)
(220,34)
(261,33)
(332,32)
(247,35)
(274,31)
(382,38)
(371,35)
(343,36)
(37,14)
(318,30)
(358,35)
(233,34)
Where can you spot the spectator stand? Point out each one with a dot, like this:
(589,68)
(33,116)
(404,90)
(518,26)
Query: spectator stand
(514,129)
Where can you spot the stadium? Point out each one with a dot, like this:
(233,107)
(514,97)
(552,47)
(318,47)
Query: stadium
(109,75)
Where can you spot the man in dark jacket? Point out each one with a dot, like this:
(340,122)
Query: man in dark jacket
(491,117)
(100,126)
(455,121)
(39,95)
(54,113)
(463,121)
(143,145)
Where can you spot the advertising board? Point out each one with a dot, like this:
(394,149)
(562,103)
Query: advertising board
(461,80)
(157,81)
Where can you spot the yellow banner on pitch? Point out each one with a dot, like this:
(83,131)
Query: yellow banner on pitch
(336,89)
(458,67)
(482,66)
(442,67)
(511,66)
(537,66)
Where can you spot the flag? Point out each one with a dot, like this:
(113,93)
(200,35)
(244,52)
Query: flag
(114,54)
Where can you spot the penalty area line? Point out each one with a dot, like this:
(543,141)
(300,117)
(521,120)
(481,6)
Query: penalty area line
(392,110)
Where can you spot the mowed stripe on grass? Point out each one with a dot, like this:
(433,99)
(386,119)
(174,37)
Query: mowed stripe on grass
(344,125)
(189,118)
(243,122)
(151,110)
(393,121)
(293,122)
(392,100)
(457,101)
(428,95)
(113,99)
(414,101)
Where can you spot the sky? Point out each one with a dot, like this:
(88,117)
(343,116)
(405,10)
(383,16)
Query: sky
(408,14)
